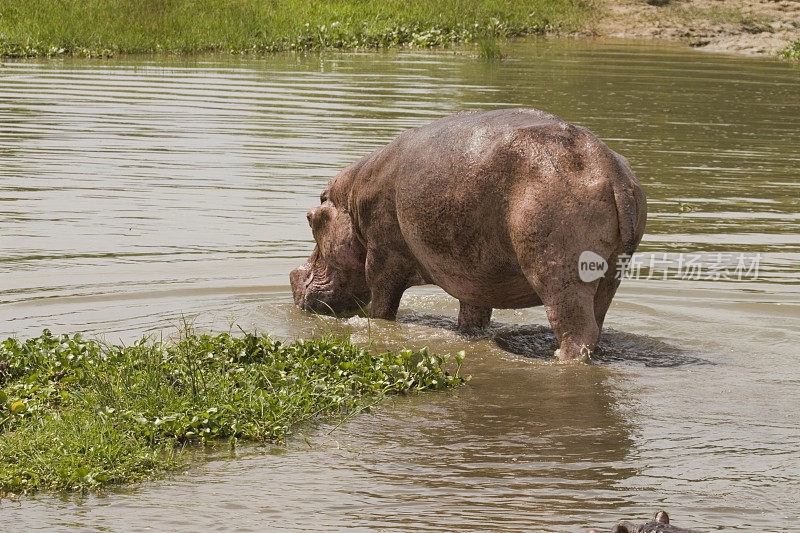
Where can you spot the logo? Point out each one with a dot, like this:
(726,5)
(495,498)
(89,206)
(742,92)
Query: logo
(591,266)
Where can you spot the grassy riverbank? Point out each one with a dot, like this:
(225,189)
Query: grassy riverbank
(76,413)
(104,27)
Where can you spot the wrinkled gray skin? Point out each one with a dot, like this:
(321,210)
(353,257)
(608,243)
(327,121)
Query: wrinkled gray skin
(494,207)
(659,524)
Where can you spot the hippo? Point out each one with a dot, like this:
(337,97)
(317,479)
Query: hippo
(495,207)
(659,524)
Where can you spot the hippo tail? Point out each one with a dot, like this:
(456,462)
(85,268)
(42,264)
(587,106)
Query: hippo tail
(631,209)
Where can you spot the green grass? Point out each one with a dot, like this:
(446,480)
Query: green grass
(489,49)
(77,414)
(792,51)
(106,27)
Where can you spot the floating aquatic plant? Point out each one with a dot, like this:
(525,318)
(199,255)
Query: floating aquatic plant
(76,413)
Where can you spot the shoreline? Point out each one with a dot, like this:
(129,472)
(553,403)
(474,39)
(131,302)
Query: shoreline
(748,27)
(751,27)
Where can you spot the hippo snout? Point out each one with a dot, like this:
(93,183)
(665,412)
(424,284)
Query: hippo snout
(298,279)
(321,288)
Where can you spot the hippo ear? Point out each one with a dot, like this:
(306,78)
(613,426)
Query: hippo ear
(661,517)
(336,237)
(620,528)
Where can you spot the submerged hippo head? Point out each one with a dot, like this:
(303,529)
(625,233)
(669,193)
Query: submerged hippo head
(333,280)
(659,524)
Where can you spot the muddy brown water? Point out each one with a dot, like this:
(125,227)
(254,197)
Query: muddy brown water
(136,193)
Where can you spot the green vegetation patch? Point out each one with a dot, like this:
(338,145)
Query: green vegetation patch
(77,413)
(105,27)
(792,51)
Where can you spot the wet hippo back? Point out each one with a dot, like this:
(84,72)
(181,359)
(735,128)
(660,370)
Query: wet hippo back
(461,182)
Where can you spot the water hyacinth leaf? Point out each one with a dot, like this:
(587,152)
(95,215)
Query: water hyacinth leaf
(154,398)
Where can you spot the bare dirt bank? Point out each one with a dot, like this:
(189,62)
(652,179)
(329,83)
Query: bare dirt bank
(743,26)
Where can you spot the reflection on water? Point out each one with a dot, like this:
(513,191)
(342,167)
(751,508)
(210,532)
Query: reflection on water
(537,341)
(135,192)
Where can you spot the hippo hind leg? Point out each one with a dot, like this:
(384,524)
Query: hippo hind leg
(471,317)
(549,247)
(574,308)
(571,312)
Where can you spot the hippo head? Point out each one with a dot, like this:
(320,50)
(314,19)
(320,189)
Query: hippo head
(333,280)
(659,524)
